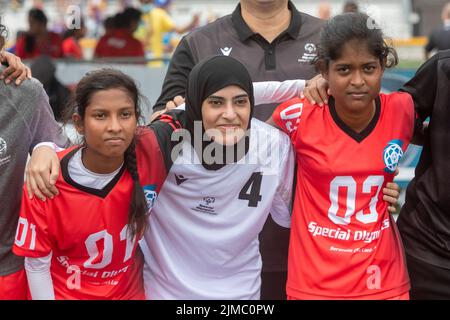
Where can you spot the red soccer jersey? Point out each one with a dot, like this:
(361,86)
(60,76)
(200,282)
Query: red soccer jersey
(51,47)
(86,230)
(344,243)
(119,44)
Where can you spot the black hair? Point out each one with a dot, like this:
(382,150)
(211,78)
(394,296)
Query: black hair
(105,79)
(108,23)
(119,21)
(353,26)
(132,14)
(123,20)
(38,15)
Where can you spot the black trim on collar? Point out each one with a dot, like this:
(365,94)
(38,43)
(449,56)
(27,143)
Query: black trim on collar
(244,32)
(102,193)
(357,136)
(163,129)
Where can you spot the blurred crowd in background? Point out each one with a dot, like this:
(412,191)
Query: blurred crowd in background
(147,29)
(48,33)
(134,29)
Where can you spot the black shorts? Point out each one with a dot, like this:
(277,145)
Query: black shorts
(273,285)
(428,282)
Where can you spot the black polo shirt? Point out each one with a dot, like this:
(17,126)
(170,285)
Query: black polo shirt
(287,57)
(439,39)
(424,220)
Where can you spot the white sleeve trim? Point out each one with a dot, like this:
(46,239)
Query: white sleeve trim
(181,107)
(39,278)
(282,203)
(267,92)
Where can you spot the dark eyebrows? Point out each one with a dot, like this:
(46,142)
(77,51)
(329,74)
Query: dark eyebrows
(216,97)
(370,63)
(101,109)
(244,95)
(341,65)
(349,64)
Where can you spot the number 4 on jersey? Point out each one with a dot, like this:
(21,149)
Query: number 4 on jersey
(251,190)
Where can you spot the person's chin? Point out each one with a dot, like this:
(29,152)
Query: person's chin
(114,152)
(358,104)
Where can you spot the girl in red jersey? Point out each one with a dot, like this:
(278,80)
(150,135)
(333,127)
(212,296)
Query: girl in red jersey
(82,244)
(344,243)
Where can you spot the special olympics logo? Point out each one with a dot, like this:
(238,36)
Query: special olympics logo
(150,195)
(209,200)
(392,155)
(310,47)
(2,147)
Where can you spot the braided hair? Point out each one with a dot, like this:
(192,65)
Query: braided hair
(138,211)
(105,79)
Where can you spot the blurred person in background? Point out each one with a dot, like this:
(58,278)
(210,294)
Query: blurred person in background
(439,39)
(94,18)
(39,4)
(157,23)
(38,40)
(16,5)
(71,44)
(324,11)
(108,26)
(121,42)
(350,6)
(424,220)
(44,70)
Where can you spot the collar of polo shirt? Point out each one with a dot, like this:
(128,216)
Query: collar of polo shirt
(244,32)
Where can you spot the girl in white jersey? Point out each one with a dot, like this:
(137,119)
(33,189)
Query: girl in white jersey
(203,238)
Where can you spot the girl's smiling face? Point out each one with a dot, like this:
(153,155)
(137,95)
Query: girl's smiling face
(226,115)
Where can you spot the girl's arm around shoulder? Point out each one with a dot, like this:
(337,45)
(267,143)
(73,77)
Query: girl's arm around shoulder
(269,92)
(282,203)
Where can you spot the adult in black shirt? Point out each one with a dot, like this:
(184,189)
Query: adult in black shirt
(424,220)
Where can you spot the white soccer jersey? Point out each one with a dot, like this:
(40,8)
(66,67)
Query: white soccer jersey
(202,240)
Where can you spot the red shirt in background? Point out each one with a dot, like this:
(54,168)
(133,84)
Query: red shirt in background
(72,49)
(119,44)
(51,46)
